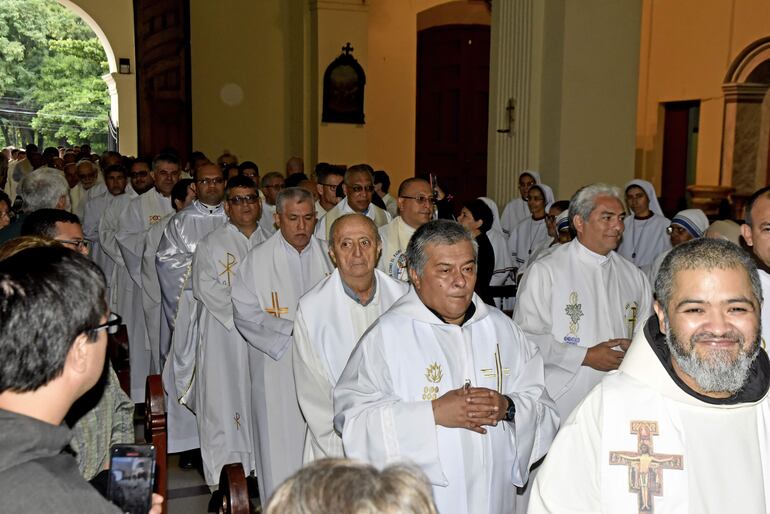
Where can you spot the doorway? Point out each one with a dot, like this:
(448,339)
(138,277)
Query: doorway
(680,150)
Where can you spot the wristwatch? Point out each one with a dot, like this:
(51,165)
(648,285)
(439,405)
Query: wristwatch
(511,412)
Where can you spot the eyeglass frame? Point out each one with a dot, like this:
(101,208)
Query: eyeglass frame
(86,243)
(420,199)
(240,200)
(112,324)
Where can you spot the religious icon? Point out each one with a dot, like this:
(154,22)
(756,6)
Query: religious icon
(153,219)
(276,310)
(228,266)
(645,468)
(343,90)
(574,311)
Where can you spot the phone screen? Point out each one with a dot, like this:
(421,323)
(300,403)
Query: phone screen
(132,469)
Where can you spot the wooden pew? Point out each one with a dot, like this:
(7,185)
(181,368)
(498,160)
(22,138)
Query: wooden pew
(155,432)
(117,350)
(234,490)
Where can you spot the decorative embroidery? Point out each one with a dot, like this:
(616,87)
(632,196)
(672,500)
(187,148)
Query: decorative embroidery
(645,468)
(276,310)
(228,265)
(631,310)
(433,374)
(575,311)
(154,219)
(237,419)
(498,372)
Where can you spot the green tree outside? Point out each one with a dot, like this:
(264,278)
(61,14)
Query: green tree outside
(51,91)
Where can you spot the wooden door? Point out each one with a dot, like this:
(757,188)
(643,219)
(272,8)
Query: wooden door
(162,29)
(452,107)
(679,149)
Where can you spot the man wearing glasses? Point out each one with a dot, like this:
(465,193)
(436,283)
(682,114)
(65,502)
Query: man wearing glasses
(222,382)
(272,184)
(415,206)
(358,186)
(328,178)
(58,224)
(173,261)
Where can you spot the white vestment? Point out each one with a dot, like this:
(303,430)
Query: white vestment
(643,240)
(121,285)
(265,293)
(572,299)
(391,205)
(93,213)
(765,280)
(141,212)
(267,221)
(79,196)
(382,403)
(517,209)
(327,327)
(17,170)
(374,213)
(151,296)
(703,455)
(319,210)
(527,237)
(221,380)
(395,236)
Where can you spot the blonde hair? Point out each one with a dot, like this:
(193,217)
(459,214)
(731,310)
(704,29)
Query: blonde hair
(17,244)
(340,486)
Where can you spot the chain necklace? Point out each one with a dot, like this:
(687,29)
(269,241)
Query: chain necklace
(534,235)
(633,235)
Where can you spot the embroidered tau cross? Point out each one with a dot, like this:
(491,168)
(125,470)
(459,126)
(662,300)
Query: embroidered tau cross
(228,264)
(645,468)
(498,372)
(277,310)
(632,318)
(237,419)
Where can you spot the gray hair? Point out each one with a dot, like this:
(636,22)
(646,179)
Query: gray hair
(296,194)
(358,169)
(365,219)
(349,487)
(268,177)
(83,162)
(43,188)
(704,254)
(583,202)
(436,232)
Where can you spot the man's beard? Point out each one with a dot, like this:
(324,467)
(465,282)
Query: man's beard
(720,370)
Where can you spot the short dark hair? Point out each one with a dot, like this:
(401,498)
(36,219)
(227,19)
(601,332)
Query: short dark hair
(43,222)
(323,170)
(562,205)
(381,177)
(294,179)
(248,165)
(179,191)
(215,165)
(112,168)
(761,193)
(48,296)
(239,181)
(481,211)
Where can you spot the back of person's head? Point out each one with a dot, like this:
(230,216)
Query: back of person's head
(43,222)
(340,486)
(179,191)
(381,177)
(294,179)
(48,296)
(43,189)
(324,170)
(248,165)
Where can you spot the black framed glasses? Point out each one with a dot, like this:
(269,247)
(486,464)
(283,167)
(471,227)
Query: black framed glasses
(332,187)
(247,199)
(77,243)
(420,199)
(111,325)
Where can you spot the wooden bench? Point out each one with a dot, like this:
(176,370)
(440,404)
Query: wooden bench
(117,350)
(155,432)
(234,490)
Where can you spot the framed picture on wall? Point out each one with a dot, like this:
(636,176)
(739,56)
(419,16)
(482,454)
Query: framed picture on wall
(343,93)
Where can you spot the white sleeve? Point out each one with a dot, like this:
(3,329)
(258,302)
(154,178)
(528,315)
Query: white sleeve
(207,288)
(130,236)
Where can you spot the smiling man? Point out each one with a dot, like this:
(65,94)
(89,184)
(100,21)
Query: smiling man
(580,303)
(448,383)
(330,319)
(683,426)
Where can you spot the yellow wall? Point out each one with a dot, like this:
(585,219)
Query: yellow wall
(688,46)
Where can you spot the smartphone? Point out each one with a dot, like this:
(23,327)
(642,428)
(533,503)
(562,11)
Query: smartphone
(132,473)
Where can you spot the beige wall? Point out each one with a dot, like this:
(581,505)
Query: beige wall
(688,46)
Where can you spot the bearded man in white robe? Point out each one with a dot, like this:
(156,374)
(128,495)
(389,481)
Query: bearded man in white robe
(142,212)
(415,203)
(683,426)
(221,380)
(517,209)
(580,303)
(331,318)
(265,292)
(358,186)
(448,383)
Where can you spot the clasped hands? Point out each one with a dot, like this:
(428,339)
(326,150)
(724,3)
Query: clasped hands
(470,408)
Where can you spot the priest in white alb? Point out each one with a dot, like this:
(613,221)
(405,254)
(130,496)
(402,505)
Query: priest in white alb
(222,381)
(517,209)
(265,292)
(645,234)
(580,303)
(683,425)
(331,318)
(358,186)
(447,383)
(415,206)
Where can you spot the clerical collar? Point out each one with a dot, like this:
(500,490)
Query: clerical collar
(468,314)
(753,390)
(642,218)
(210,208)
(353,296)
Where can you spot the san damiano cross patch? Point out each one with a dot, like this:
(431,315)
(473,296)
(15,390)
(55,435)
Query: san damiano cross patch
(574,311)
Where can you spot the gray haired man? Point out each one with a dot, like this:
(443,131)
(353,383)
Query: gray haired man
(44,188)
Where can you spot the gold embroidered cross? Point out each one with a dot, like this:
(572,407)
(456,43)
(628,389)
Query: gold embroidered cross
(228,264)
(237,419)
(632,317)
(498,372)
(276,310)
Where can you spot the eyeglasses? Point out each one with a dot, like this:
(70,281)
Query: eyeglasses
(675,228)
(332,187)
(357,188)
(420,199)
(248,199)
(77,243)
(111,326)
(217,181)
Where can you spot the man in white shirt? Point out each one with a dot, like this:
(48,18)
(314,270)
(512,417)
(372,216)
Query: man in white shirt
(683,425)
(757,236)
(330,319)
(448,383)
(328,178)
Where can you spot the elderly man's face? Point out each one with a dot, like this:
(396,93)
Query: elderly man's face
(757,235)
(415,205)
(296,222)
(447,282)
(71,174)
(359,191)
(87,175)
(115,182)
(355,248)
(713,327)
(141,177)
(166,176)
(602,231)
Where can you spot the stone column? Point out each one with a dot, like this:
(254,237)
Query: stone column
(740,140)
(122,89)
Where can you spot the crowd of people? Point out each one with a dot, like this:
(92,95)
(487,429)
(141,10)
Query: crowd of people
(361,351)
